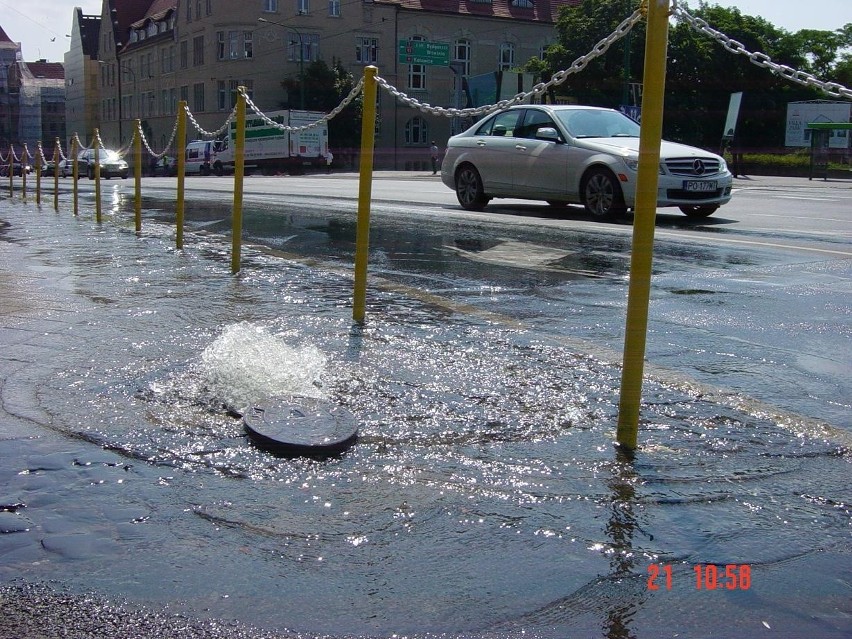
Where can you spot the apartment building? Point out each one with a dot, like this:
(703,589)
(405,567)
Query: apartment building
(153,54)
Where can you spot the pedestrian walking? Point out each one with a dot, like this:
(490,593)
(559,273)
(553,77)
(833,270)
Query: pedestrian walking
(435,154)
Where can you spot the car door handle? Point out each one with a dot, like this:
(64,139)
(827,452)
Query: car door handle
(520,147)
(481,143)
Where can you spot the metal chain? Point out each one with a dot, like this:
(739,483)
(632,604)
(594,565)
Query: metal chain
(761,59)
(147,145)
(281,127)
(217,132)
(558,78)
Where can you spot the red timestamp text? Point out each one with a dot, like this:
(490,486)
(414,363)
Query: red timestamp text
(707,576)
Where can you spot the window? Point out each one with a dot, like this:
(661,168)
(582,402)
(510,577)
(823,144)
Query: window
(226,93)
(198,97)
(416,131)
(334,8)
(507,57)
(461,54)
(303,47)
(184,54)
(302,7)
(198,51)
(234,45)
(417,72)
(184,93)
(189,11)
(209,7)
(524,4)
(270,6)
(367,50)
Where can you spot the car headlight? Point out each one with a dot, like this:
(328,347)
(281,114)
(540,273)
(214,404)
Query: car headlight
(723,166)
(632,163)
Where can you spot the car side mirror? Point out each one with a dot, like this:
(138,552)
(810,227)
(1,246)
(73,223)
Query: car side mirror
(547,133)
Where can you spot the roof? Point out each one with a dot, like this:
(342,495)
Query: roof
(47,70)
(125,13)
(158,10)
(3,36)
(532,10)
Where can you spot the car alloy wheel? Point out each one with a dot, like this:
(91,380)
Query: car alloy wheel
(602,195)
(469,189)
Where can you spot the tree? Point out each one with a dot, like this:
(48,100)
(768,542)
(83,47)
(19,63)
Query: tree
(701,73)
(325,88)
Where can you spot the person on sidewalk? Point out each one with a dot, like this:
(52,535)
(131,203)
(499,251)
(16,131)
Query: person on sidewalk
(435,154)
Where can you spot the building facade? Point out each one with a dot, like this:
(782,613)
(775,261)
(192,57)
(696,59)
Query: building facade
(154,54)
(82,73)
(32,100)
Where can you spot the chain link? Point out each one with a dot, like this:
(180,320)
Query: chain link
(211,134)
(558,78)
(761,59)
(281,127)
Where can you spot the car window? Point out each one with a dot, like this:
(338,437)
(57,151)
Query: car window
(533,121)
(592,123)
(506,123)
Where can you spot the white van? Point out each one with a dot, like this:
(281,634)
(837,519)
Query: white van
(200,157)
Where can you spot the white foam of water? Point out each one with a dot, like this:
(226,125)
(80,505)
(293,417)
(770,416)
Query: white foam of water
(247,364)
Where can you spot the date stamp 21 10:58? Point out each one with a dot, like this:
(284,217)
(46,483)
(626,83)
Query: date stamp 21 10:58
(707,577)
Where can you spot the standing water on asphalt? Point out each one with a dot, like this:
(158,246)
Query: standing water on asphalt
(483,497)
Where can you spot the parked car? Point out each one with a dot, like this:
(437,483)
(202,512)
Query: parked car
(66,167)
(576,154)
(17,169)
(165,166)
(111,164)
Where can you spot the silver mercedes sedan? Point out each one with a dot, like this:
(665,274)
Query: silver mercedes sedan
(579,155)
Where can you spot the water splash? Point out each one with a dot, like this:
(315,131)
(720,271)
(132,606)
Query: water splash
(247,364)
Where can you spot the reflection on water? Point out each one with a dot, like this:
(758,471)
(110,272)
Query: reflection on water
(484,496)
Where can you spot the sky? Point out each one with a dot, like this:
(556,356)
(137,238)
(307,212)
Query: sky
(41,25)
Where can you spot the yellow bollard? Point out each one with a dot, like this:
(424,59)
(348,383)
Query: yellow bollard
(39,156)
(56,175)
(365,190)
(75,172)
(639,291)
(24,155)
(137,175)
(180,151)
(239,168)
(97,145)
(11,170)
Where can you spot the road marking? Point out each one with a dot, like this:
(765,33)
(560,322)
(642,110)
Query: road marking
(791,247)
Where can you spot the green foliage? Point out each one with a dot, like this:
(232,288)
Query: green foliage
(701,73)
(325,88)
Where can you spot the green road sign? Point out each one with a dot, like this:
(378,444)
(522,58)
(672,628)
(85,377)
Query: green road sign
(422,52)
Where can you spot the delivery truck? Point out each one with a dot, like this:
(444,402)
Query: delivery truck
(268,149)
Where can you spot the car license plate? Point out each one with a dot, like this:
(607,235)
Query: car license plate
(699,186)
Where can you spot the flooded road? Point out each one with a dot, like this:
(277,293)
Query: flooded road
(483,497)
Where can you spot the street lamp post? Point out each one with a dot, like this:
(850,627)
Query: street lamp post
(301,58)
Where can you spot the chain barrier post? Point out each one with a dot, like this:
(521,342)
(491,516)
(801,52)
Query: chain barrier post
(180,153)
(11,170)
(56,174)
(39,164)
(239,169)
(137,175)
(75,169)
(97,172)
(365,189)
(25,155)
(644,217)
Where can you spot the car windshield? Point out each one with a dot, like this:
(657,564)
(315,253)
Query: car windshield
(104,155)
(594,123)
